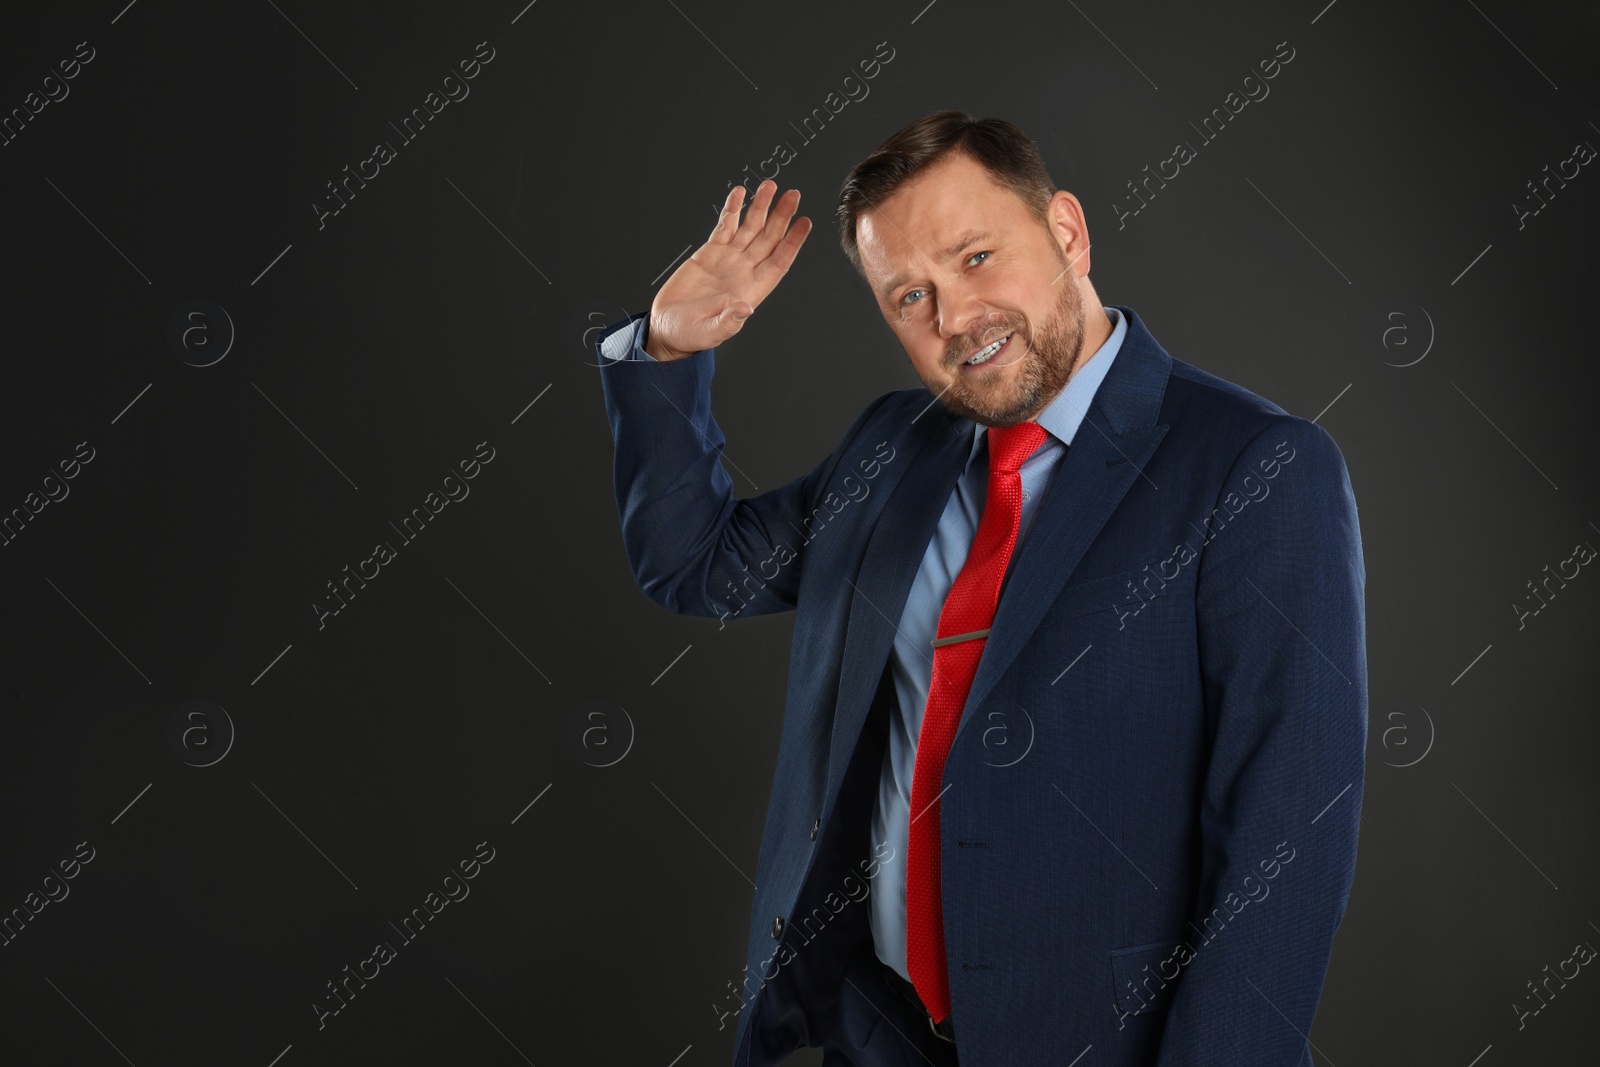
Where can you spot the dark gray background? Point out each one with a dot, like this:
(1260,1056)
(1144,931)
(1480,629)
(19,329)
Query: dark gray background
(1377,179)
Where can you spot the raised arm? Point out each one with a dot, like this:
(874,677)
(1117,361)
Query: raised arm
(694,549)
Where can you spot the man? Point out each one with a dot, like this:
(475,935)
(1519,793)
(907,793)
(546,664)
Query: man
(1077,699)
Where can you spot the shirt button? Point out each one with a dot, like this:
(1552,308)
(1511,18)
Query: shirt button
(777,927)
(815,827)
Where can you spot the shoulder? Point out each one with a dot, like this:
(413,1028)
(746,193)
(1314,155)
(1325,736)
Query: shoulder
(1237,422)
(905,415)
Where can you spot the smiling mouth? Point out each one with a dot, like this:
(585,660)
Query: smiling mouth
(988,352)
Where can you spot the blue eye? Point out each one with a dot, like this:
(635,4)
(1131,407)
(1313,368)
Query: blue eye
(970,258)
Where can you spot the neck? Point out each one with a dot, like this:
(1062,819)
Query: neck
(1097,330)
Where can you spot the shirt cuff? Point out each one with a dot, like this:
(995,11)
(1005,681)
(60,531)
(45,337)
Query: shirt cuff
(627,342)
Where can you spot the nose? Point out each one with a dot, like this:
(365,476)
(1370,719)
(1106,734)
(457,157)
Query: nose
(960,307)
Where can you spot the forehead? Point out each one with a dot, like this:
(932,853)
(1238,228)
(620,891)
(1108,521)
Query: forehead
(933,211)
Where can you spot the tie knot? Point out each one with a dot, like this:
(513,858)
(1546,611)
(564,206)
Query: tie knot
(1009,446)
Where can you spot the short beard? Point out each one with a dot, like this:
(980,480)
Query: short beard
(1047,363)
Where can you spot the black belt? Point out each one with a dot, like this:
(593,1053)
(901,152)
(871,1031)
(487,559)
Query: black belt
(944,1030)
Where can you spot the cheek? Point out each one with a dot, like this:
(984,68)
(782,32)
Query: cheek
(926,358)
(922,347)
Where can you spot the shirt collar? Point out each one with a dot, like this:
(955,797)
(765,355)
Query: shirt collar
(1063,415)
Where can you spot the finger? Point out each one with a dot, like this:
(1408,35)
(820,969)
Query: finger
(728,220)
(783,210)
(755,217)
(782,257)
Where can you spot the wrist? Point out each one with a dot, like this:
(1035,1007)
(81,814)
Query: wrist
(662,354)
(656,350)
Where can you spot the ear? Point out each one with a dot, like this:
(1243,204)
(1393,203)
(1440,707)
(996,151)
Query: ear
(1064,218)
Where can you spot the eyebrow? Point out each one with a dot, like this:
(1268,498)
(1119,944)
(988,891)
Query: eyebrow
(969,238)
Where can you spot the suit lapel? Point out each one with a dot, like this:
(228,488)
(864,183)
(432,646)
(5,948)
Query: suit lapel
(895,548)
(1108,454)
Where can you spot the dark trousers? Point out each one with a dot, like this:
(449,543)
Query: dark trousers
(876,1025)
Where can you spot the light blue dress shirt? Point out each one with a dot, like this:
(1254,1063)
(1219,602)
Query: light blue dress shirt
(911,659)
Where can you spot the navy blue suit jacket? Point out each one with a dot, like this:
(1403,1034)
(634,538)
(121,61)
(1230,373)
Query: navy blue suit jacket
(1151,809)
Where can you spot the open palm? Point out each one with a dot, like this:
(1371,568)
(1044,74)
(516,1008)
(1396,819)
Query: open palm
(708,297)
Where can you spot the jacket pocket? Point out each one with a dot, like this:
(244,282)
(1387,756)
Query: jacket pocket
(1139,991)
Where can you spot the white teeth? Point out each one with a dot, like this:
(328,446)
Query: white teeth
(987,352)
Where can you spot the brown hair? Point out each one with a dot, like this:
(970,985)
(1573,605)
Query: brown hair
(1011,158)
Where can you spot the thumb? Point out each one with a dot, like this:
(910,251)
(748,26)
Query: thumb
(737,312)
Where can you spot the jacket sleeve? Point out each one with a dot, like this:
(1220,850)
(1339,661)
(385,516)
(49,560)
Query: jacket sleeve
(693,548)
(1282,651)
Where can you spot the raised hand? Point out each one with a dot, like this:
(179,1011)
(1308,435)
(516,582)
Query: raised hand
(709,296)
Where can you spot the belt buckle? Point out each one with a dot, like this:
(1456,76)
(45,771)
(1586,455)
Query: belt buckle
(943,1030)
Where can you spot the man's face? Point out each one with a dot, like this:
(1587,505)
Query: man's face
(947,296)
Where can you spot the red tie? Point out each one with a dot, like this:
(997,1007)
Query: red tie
(964,624)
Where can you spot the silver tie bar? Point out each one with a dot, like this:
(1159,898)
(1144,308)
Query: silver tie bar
(953,638)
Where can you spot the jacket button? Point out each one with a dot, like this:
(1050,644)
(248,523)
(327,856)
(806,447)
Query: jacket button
(777,927)
(815,827)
